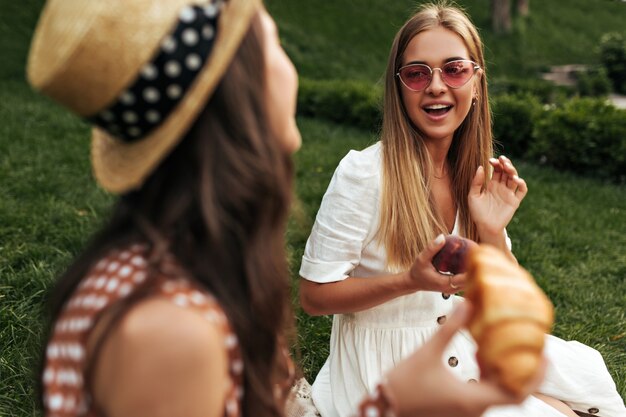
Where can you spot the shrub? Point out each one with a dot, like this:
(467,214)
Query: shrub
(594,82)
(546,91)
(583,135)
(586,136)
(613,57)
(513,119)
(356,103)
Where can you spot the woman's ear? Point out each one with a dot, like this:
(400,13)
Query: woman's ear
(477,78)
(476,83)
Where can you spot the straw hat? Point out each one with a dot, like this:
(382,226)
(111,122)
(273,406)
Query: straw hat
(139,70)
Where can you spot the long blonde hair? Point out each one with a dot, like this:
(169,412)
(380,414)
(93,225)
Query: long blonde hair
(409,219)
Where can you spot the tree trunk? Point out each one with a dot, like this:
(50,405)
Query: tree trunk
(501,16)
(523,7)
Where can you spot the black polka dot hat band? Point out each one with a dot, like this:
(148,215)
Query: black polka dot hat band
(139,70)
(163,81)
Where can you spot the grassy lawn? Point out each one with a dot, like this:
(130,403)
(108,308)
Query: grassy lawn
(48,207)
(350,39)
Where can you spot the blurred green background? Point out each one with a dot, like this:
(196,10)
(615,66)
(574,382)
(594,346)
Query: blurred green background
(350,39)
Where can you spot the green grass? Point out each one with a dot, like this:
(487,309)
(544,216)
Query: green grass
(324,144)
(48,208)
(17,20)
(351,39)
(570,232)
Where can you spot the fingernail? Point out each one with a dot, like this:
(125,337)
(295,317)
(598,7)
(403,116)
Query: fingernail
(515,177)
(440,239)
(494,160)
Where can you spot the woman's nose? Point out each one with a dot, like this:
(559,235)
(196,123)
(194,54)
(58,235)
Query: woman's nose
(436,86)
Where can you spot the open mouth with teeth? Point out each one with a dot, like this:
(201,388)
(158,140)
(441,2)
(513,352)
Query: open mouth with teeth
(437,109)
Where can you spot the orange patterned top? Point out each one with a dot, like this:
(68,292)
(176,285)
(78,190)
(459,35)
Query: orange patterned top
(115,277)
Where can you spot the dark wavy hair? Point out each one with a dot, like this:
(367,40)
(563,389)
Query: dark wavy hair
(219,204)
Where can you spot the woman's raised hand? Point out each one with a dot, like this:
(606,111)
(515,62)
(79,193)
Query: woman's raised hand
(424,277)
(493,207)
(421,385)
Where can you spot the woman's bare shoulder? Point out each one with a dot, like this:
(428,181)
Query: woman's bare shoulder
(162,359)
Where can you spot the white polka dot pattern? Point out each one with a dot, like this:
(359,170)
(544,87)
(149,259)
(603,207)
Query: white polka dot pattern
(152,96)
(127,98)
(187,14)
(169,45)
(117,276)
(153,116)
(149,72)
(174,91)
(172,69)
(190,37)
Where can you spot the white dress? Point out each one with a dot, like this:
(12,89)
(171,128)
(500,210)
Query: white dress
(366,344)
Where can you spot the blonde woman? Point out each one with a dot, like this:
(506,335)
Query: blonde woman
(383,217)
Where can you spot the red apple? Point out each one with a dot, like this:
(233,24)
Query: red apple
(452,258)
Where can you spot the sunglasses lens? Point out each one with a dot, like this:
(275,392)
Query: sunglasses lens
(415,77)
(457,73)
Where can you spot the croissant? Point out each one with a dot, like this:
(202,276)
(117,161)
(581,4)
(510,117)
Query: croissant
(511,317)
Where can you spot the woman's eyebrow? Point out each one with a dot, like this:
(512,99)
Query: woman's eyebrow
(454,58)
